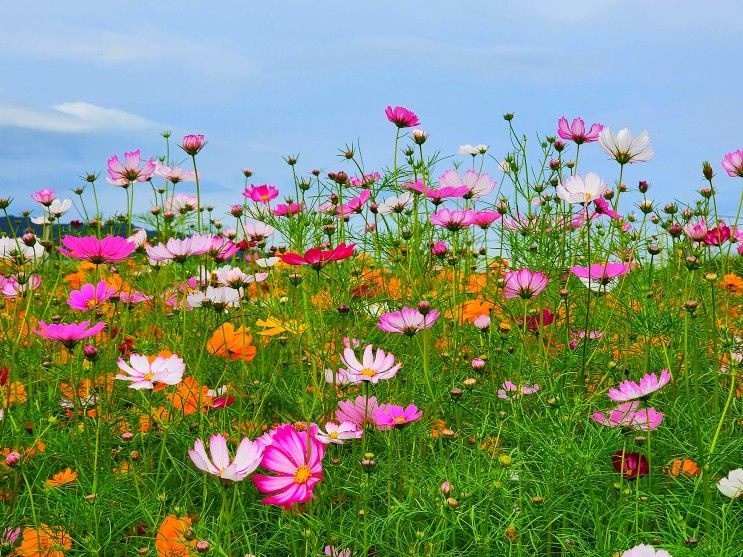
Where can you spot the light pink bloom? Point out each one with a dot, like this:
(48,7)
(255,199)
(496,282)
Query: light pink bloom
(192,144)
(401,117)
(44,196)
(135,297)
(509,390)
(296,458)
(175,174)
(180,250)
(407,321)
(581,189)
(90,296)
(372,367)
(643,550)
(391,415)
(524,283)
(287,210)
(143,373)
(733,163)
(366,181)
(336,377)
(247,458)
(222,248)
(626,148)
(11,287)
(630,415)
(89,248)
(181,203)
(629,390)
(338,433)
(133,169)
(478,185)
(358,411)
(257,231)
(452,220)
(69,334)
(576,131)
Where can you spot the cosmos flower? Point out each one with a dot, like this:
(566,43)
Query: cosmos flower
(358,411)
(89,248)
(452,220)
(193,143)
(644,550)
(133,169)
(733,163)
(317,258)
(478,184)
(257,231)
(576,131)
(228,342)
(90,296)
(509,390)
(631,416)
(20,252)
(339,433)
(391,415)
(44,196)
(366,181)
(181,203)
(472,149)
(247,458)
(261,194)
(581,189)
(174,174)
(144,372)
(696,231)
(401,117)
(524,283)
(296,459)
(288,209)
(218,298)
(631,465)
(626,148)
(484,219)
(602,272)
(629,390)
(407,321)
(437,195)
(179,250)
(372,367)
(732,485)
(15,286)
(395,204)
(68,334)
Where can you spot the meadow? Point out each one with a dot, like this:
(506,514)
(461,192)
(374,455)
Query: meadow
(496,354)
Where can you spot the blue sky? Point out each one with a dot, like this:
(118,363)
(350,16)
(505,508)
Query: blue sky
(83,80)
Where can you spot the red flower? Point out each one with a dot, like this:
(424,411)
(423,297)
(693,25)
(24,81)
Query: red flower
(317,258)
(632,465)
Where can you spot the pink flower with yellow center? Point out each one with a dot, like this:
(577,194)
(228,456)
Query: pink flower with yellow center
(69,334)
(524,283)
(391,415)
(372,367)
(261,194)
(144,372)
(133,169)
(90,296)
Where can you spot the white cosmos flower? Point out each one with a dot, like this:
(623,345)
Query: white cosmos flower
(626,148)
(16,250)
(59,207)
(266,262)
(395,204)
(581,189)
(219,298)
(732,485)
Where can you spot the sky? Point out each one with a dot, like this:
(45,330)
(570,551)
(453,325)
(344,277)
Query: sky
(84,80)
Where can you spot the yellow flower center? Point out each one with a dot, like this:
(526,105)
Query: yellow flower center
(333,435)
(264,197)
(302,474)
(148,376)
(588,196)
(93,302)
(399,420)
(369,372)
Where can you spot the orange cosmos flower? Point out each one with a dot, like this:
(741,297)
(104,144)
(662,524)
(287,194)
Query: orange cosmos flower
(228,342)
(66,476)
(43,542)
(171,541)
(190,396)
(732,283)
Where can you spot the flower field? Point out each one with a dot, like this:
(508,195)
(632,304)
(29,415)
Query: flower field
(499,354)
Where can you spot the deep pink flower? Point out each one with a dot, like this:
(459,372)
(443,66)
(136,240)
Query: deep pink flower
(437,195)
(401,117)
(631,465)
(524,283)
(287,210)
(133,169)
(89,248)
(68,334)
(407,321)
(358,411)
(391,415)
(261,194)
(602,272)
(541,319)
(718,235)
(576,132)
(192,144)
(44,196)
(484,219)
(629,390)
(247,458)
(453,220)
(317,258)
(354,205)
(222,248)
(603,208)
(439,249)
(296,458)
(733,163)
(90,296)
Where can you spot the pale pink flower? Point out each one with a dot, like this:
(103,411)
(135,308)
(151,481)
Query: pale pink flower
(174,174)
(629,390)
(133,169)
(576,131)
(626,148)
(733,163)
(524,283)
(339,433)
(358,411)
(630,415)
(372,367)
(509,390)
(581,189)
(15,286)
(643,550)
(696,231)
(143,373)
(247,458)
(407,321)
(181,203)
(44,196)
(180,250)
(478,185)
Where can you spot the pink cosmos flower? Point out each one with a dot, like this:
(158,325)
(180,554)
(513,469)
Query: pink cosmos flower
(453,220)
(603,208)
(630,415)
(317,258)
(407,321)
(257,231)
(12,287)
(510,391)
(261,194)
(629,390)
(175,174)
(90,296)
(247,458)
(192,144)
(89,248)
(331,551)
(181,203)
(69,334)
(484,219)
(718,235)
(478,185)
(372,367)
(603,273)
(287,210)
(439,249)
(733,163)
(143,373)
(44,196)
(644,550)
(366,181)
(524,283)
(296,458)
(180,250)
(133,169)
(222,248)
(401,117)
(339,433)
(358,411)
(631,465)
(391,415)
(354,205)
(135,297)
(437,195)
(541,319)
(576,132)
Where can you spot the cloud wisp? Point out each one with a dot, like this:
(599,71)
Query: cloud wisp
(72,117)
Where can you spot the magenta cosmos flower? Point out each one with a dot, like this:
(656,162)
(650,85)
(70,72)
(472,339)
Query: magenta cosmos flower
(733,163)
(317,258)
(358,411)
(180,250)
(143,372)
(261,194)
(296,459)
(247,458)
(602,272)
(524,283)
(193,143)
(576,132)
(90,296)
(630,415)
(401,117)
(372,367)
(89,248)
(391,415)
(407,321)
(68,334)
(453,220)
(44,196)
(437,195)
(288,209)
(133,169)
(477,184)
(629,390)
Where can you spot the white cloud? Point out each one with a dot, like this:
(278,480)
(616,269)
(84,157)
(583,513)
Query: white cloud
(71,117)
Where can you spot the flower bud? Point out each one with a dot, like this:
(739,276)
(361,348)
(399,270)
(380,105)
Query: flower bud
(419,137)
(13,458)
(202,546)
